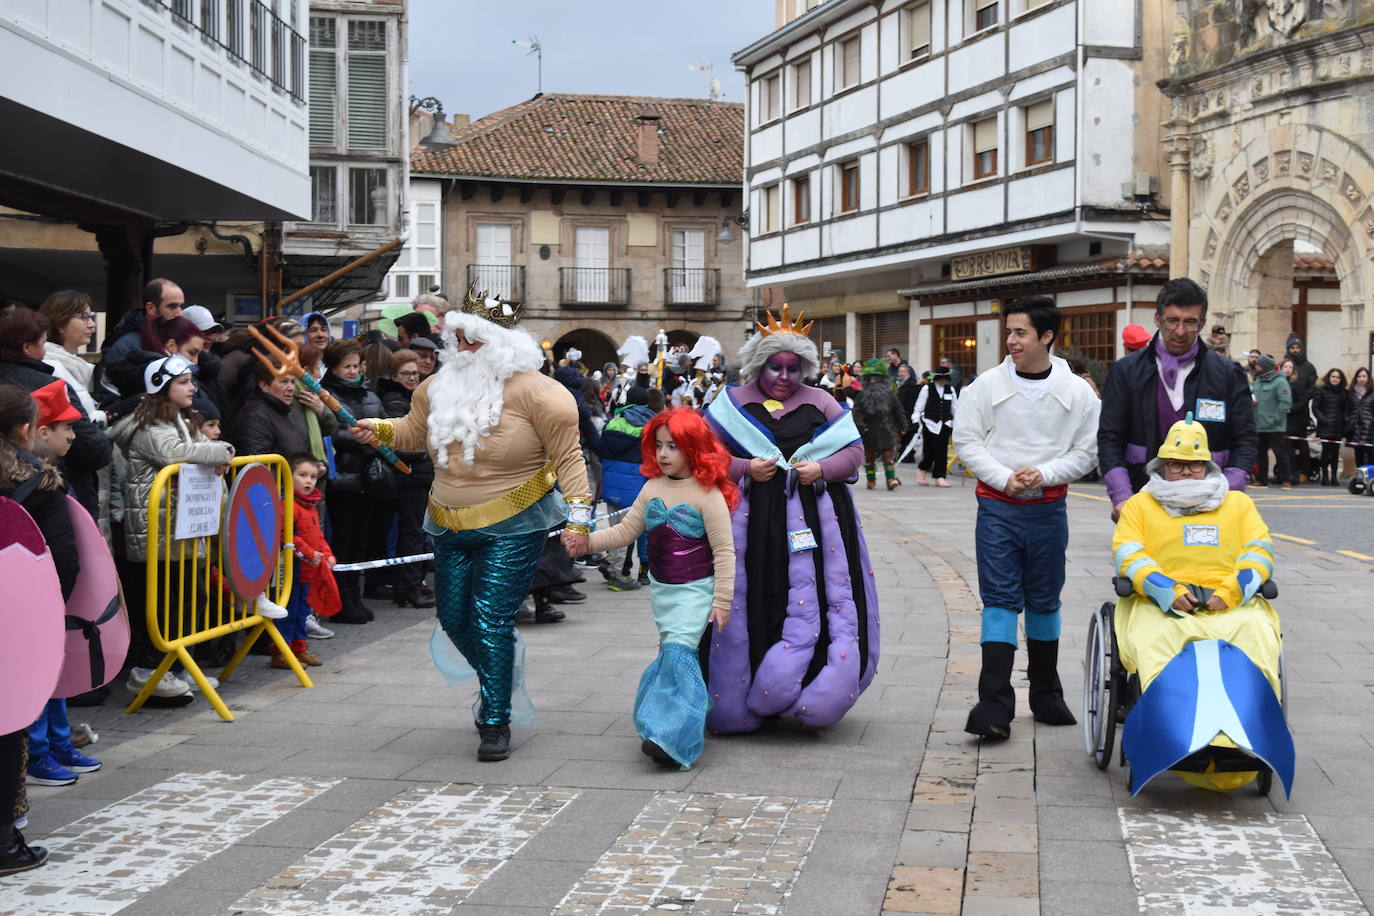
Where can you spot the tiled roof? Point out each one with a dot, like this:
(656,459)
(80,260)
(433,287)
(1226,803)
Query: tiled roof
(570,138)
(1158,260)
(1313,262)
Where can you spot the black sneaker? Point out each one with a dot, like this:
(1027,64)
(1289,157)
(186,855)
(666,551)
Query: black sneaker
(566,595)
(643,576)
(19,856)
(659,755)
(495,742)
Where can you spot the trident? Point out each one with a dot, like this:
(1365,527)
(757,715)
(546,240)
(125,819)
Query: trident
(288,363)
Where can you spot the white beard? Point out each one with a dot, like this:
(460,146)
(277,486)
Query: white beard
(467,395)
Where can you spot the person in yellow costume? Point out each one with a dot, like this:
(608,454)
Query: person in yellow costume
(1196,553)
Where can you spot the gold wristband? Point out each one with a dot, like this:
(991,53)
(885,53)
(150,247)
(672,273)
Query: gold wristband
(385,430)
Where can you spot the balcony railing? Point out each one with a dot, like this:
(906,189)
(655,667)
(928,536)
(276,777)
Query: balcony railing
(691,286)
(594,287)
(503,281)
(250,32)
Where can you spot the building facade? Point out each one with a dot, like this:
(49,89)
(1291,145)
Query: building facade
(1269,134)
(602,216)
(128,121)
(912,165)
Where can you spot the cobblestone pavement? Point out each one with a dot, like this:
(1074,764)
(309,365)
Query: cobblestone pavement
(370,798)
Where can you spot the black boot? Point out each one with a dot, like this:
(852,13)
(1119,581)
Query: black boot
(1046,693)
(411,597)
(991,718)
(353,610)
(495,742)
(544,612)
(16,855)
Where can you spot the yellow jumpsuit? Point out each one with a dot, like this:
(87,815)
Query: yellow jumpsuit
(1210,549)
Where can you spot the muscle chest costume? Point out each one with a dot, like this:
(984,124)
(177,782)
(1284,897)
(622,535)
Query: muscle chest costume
(803,635)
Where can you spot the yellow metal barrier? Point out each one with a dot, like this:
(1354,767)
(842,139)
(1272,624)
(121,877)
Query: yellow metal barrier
(189,600)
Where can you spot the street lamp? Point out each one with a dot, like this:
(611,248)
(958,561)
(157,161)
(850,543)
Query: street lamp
(439,136)
(725,236)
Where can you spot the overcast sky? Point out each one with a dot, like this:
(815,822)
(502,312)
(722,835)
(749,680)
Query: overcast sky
(461,51)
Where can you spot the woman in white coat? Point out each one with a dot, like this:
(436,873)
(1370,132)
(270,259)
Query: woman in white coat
(71,325)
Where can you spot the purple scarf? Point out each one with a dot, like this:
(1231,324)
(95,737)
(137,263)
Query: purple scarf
(1169,364)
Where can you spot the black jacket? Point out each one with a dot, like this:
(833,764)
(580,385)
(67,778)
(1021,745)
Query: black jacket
(51,512)
(395,399)
(91,449)
(1130,415)
(1298,420)
(1359,416)
(1328,411)
(126,376)
(264,427)
(350,458)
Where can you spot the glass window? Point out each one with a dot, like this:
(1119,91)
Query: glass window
(1089,334)
(401,286)
(801,84)
(849,187)
(367,197)
(916,31)
(848,63)
(772,210)
(984,14)
(1040,132)
(801,199)
(324,194)
(918,167)
(957,342)
(367,84)
(770,98)
(985,148)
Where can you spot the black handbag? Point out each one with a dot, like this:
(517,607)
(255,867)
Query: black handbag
(379,481)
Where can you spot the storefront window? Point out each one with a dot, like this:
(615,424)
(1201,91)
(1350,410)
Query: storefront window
(1089,334)
(957,341)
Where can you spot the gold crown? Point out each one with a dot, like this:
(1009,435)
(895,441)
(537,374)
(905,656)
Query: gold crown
(483,305)
(786,325)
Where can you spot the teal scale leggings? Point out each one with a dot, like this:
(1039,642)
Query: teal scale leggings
(480,580)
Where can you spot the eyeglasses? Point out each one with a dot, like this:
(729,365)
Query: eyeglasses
(87,316)
(1184,467)
(1188,324)
(413,373)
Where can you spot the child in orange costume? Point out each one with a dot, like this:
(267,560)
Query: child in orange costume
(314,586)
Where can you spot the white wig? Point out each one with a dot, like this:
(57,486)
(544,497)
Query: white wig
(758,348)
(468,392)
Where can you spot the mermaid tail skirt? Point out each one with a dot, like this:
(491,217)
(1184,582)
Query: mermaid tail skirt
(671,704)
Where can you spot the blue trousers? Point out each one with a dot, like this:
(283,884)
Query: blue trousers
(479,581)
(1021,550)
(298,608)
(51,731)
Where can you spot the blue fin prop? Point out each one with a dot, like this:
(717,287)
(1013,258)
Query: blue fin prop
(1209,688)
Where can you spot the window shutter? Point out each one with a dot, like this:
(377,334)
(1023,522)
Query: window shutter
(920,29)
(1039,115)
(985,135)
(323,105)
(367,84)
(984,4)
(850,52)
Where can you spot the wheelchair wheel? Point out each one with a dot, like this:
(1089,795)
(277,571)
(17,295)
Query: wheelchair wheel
(1100,689)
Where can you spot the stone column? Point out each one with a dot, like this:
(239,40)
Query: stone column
(1180,201)
(1274,300)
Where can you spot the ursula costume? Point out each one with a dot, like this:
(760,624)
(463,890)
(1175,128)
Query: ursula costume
(803,643)
(691,567)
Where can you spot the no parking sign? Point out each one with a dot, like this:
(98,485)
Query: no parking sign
(252,531)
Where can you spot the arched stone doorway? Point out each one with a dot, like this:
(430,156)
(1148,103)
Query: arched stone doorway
(597,349)
(1299,184)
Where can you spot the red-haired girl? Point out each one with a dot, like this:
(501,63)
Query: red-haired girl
(685,506)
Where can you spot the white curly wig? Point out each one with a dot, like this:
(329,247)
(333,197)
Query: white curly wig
(758,348)
(468,392)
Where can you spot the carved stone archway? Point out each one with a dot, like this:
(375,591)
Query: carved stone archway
(1279,183)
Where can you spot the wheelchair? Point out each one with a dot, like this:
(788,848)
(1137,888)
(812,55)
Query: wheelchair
(1110,692)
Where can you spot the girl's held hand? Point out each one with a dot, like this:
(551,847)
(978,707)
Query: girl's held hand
(576,545)
(720,616)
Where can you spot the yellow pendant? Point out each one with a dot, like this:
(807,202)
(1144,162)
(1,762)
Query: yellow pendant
(772,405)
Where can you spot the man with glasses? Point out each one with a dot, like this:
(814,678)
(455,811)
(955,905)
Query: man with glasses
(1148,391)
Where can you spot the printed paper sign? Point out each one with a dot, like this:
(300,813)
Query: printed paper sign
(199,492)
(1201,535)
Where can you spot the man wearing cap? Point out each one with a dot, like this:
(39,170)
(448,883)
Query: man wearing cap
(426,355)
(1150,390)
(499,432)
(201,317)
(1134,337)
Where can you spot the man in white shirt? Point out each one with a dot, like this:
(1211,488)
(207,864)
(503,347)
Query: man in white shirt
(1025,429)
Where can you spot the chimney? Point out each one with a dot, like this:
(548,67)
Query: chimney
(648,136)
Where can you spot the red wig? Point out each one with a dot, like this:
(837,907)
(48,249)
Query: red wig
(708,459)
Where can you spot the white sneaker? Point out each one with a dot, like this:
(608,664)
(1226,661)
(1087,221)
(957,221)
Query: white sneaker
(271,611)
(315,630)
(185,677)
(169,686)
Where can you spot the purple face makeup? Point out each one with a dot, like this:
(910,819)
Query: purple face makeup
(781,375)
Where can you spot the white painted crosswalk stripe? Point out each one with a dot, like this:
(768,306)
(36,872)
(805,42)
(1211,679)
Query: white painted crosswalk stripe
(726,853)
(107,860)
(421,853)
(1221,863)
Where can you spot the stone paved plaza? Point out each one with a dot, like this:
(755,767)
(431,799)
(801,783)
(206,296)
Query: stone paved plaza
(363,794)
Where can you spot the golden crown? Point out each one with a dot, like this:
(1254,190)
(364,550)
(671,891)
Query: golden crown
(786,325)
(484,305)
